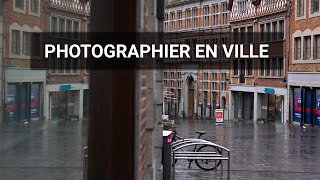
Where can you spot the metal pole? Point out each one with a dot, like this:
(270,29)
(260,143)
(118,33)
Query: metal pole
(174,166)
(228,164)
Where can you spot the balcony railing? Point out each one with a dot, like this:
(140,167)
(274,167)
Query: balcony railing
(76,6)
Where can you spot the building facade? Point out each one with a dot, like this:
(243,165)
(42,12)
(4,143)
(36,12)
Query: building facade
(258,88)
(303,75)
(66,92)
(22,88)
(196,90)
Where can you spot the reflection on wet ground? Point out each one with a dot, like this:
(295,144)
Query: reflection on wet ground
(258,151)
(49,150)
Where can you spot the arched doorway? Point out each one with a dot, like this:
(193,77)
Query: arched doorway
(190,97)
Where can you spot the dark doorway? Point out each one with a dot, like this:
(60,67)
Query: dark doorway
(190,97)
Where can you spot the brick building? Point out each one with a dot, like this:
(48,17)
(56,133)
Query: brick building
(258,86)
(196,91)
(303,75)
(66,94)
(22,89)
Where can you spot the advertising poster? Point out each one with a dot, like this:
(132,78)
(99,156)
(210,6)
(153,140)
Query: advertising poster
(297,105)
(317,108)
(11,102)
(35,91)
(219,116)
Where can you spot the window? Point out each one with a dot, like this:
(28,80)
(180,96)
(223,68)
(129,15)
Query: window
(65,27)
(274,67)
(214,82)
(268,67)
(223,82)
(62,27)
(270,2)
(235,67)
(249,67)
(194,17)
(15,43)
(307,47)
(315,6)
(36,44)
(172,21)
(26,43)
(206,16)
(215,15)
(280,67)
(205,81)
(297,48)
(179,20)
(171,75)
(69,29)
(19,4)
(242,35)
(54,25)
(235,35)
(250,34)
(268,31)
(272,31)
(76,29)
(281,30)
(242,6)
(261,67)
(64,66)
(166,19)
(300,8)
(262,33)
(34,6)
(188,14)
(224,13)
(271,67)
(316,48)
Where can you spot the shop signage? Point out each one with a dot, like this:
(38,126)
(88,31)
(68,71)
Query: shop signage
(269,90)
(219,116)
(65,87)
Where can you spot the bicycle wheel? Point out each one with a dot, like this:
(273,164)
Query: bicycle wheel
(208,165)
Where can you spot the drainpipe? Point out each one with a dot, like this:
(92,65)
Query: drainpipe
(2,101)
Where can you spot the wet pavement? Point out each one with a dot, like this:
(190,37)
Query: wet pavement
(258,151)
(42,150)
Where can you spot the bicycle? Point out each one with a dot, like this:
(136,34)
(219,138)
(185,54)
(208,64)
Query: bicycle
(202,164)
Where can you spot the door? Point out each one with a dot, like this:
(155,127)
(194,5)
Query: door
(308,106)
(23,101)
(297,105)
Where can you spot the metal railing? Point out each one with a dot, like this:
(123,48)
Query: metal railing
(194,155)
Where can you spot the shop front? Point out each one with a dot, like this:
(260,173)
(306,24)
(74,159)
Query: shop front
(24,94)
(304,90)
(67,101)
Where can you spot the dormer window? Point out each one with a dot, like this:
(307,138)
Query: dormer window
(242,6)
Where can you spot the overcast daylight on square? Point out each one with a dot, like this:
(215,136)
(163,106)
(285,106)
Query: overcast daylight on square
(159,89)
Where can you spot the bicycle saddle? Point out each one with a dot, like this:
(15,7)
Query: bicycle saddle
(201,132)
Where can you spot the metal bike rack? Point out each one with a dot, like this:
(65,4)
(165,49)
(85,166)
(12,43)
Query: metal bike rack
(192,142)
(85,163)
